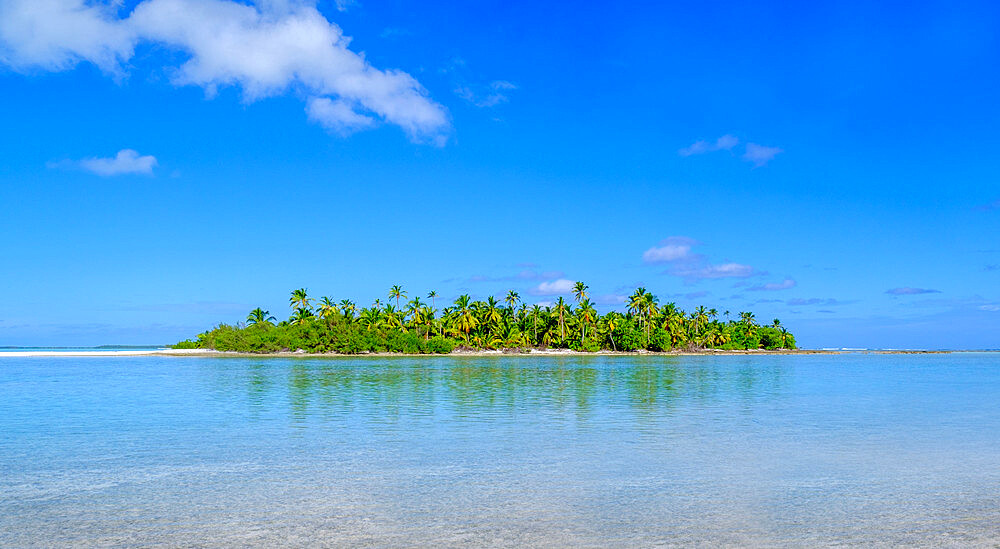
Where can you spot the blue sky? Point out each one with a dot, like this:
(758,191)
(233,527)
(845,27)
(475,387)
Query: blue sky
(169,164)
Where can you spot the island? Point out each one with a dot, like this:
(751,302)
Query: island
(326,326)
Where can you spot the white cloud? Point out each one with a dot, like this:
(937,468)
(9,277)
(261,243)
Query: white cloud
(265,49)
(554,287)
(676,251)
(337,116)
(724,143)
(671,249)
(127,161)
(786,284)
(759,154)
(57,34)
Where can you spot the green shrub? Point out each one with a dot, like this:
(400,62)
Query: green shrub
(440,345)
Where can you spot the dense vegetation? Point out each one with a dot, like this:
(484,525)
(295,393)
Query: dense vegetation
(415,326)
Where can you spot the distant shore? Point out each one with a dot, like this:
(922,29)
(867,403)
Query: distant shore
(455,353)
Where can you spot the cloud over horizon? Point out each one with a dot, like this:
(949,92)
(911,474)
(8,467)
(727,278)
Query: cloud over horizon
(675,251)
(786,284)
(265,49)
(911,291)
(561,286)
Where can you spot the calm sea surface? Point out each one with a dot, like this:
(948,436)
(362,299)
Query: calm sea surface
(507,451)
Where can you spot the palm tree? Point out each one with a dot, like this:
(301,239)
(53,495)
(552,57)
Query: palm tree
(464,316)
(560,308)
(370,318)
(391,317)
(536,310)
(396,292)
(649,308)
(700,317)
(749,326)
(637,303)
(301,316)
(413,308)
(580,291)
(327,308)
(511,300)
(347,307)
(299,299)
(431,295)
(260,316)
(611,321)
(587,314)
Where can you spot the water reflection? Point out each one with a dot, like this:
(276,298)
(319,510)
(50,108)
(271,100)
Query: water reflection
(385,388)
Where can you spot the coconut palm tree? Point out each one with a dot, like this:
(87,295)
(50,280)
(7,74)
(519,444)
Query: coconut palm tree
(301,316)
(491,313)
(464,317)
(392,318)
(396,292)
(561,309)
(512,299)
(299,299)
(536,311)
(431,295)
(370,318)
(649,309)
(327,308)
(580,291)
(260,316)
(347,307)
(637,304)
(587,314)
(612,321)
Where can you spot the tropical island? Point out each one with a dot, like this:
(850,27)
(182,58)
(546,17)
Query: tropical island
(417,327)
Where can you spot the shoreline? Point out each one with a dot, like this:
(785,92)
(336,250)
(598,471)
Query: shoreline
(486,353)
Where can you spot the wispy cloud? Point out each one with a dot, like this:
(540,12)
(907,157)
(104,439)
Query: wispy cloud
(724,143)
(561,286)
(267,48)
(127,161)
(525,275)
(786,284)
(795,302)
(491,95)
(676,251)
(911,291)
(393,32)
(995,205)
(725,270)
(759,154)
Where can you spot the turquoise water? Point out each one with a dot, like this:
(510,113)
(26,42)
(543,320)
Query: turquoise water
(505,451)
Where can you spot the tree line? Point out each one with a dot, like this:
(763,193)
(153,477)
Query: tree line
(412,325)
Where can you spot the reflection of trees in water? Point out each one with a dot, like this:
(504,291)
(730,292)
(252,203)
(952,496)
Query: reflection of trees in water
(386,388)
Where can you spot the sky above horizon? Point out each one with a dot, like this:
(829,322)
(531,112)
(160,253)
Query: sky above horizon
(171,164)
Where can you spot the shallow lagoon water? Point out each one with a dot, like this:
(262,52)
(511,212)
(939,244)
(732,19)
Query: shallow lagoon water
(599,451)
